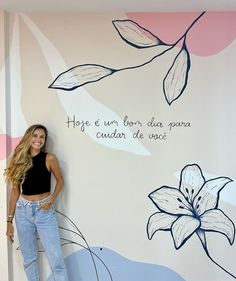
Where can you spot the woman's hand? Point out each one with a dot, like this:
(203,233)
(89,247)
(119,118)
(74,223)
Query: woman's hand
(10,231)
(46,205)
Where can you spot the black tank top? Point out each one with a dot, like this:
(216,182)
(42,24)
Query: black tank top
(38,178)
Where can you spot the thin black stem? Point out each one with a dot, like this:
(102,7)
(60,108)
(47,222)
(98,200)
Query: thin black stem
(193,23)
(203,242)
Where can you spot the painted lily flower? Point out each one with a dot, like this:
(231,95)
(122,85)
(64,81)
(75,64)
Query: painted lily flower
(191,208)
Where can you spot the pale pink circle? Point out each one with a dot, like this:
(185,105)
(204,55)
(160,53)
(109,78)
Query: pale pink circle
(213,32)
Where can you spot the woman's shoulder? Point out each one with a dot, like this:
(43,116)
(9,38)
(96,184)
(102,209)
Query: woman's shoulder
(51,157)
(51,160)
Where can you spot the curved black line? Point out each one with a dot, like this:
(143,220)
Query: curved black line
(95,267)
(78,244)
(216,263)
(72,231)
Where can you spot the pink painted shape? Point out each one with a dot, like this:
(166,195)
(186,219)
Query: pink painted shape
(213,32)
(7,145)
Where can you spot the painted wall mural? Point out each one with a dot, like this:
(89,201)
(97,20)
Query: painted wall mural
(191,208)
(140,109)
(133,34)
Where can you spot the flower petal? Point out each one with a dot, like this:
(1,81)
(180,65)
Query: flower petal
(170,200)
(202,236)
(80,75)
(176,78)
(208,196)
(182,229)
(191,181)
(135,35)
(159,221)
(216,221)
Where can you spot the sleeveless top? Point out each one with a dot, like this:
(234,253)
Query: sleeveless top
(38,178)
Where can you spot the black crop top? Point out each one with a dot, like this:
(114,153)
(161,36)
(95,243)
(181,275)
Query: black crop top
(38,178)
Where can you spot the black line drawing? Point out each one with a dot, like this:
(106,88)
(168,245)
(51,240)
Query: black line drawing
(78,233)
(133,34)
(70,241)
(191,208)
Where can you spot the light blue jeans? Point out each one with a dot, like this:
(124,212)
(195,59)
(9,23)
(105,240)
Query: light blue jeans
(32,223)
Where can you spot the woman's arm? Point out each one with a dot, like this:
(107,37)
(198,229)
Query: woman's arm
(56,170)
(53,165)
(14,195)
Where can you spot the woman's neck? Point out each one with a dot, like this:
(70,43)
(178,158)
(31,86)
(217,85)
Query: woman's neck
(34,152)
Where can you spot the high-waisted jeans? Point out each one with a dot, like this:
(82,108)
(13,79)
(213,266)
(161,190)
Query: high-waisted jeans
(31,223)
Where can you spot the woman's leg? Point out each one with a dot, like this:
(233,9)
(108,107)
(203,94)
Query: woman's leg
(27,235)
(48,232)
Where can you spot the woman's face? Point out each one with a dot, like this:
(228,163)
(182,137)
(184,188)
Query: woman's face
(38,139)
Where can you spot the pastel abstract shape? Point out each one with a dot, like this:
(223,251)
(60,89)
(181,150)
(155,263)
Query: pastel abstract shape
(212,33)
(7,144)
(82,103)
(117,268)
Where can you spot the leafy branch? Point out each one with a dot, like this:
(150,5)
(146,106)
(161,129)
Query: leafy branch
(175,80)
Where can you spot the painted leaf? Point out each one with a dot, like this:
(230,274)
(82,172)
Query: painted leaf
(159,221)
(202,236)
(217,221)
(135,35)
(80,75)
(176,78)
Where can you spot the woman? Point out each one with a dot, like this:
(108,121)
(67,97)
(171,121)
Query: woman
(32,203)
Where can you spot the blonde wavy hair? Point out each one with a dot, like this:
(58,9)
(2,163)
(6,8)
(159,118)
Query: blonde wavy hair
(21,160)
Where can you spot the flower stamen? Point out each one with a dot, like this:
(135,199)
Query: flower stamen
(192,194)
(183,206)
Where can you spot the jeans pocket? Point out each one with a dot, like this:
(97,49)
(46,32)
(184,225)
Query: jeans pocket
(19,204)
(50,209)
